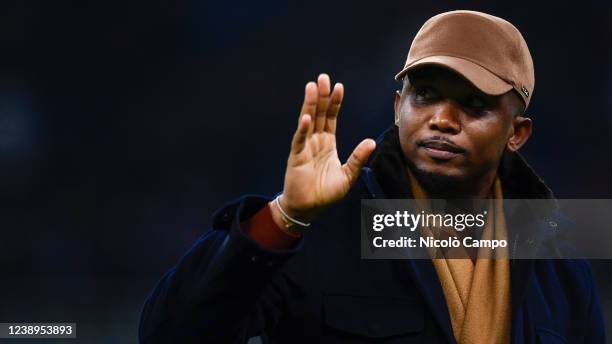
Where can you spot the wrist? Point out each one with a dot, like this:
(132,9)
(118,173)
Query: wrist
(276,215)
(287,219)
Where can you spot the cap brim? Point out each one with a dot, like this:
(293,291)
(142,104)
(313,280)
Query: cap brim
(484,80)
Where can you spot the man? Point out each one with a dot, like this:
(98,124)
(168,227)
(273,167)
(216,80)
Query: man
(289,269)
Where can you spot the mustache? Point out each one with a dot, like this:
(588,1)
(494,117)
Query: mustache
(441,141)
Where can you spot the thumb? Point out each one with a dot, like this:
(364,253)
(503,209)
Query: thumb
(358,158)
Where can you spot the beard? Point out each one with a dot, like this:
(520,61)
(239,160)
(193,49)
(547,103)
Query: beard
(442,186)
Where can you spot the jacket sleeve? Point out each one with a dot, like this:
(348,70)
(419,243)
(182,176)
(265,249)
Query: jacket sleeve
(222,289)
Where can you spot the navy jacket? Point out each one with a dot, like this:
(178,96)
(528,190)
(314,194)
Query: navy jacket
(228,288)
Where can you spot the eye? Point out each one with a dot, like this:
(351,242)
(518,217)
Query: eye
(424,93)
(476,103)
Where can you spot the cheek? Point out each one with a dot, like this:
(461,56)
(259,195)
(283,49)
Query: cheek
(409,124)
(488,142)
(410,120)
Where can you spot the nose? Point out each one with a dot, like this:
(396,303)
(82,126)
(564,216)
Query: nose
(446,118)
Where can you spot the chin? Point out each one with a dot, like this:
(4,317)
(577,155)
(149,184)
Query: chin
(439,181)
(439,170)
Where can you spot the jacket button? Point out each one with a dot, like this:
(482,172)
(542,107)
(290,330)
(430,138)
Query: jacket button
(552,223)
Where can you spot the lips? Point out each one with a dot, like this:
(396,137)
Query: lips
(441,150)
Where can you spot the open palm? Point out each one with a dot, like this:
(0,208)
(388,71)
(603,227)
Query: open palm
(315,177)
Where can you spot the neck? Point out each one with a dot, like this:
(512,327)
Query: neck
(459,194)
(479,189)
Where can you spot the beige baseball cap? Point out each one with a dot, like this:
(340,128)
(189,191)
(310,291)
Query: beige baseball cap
(488,51)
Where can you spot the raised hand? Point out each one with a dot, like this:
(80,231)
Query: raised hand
(315,178)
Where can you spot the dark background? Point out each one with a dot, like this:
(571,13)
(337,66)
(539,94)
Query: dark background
(123,125)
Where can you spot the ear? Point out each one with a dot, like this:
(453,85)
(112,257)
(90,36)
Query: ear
(521,131)
(396,106)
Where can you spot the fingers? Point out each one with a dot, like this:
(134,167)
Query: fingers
(333,108)
(304,121)
(299,138)
(322,105)
(323,84)
(358,158)
(310,100)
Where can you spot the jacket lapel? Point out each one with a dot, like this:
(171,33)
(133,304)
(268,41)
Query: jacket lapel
(424,275)
(420,271)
